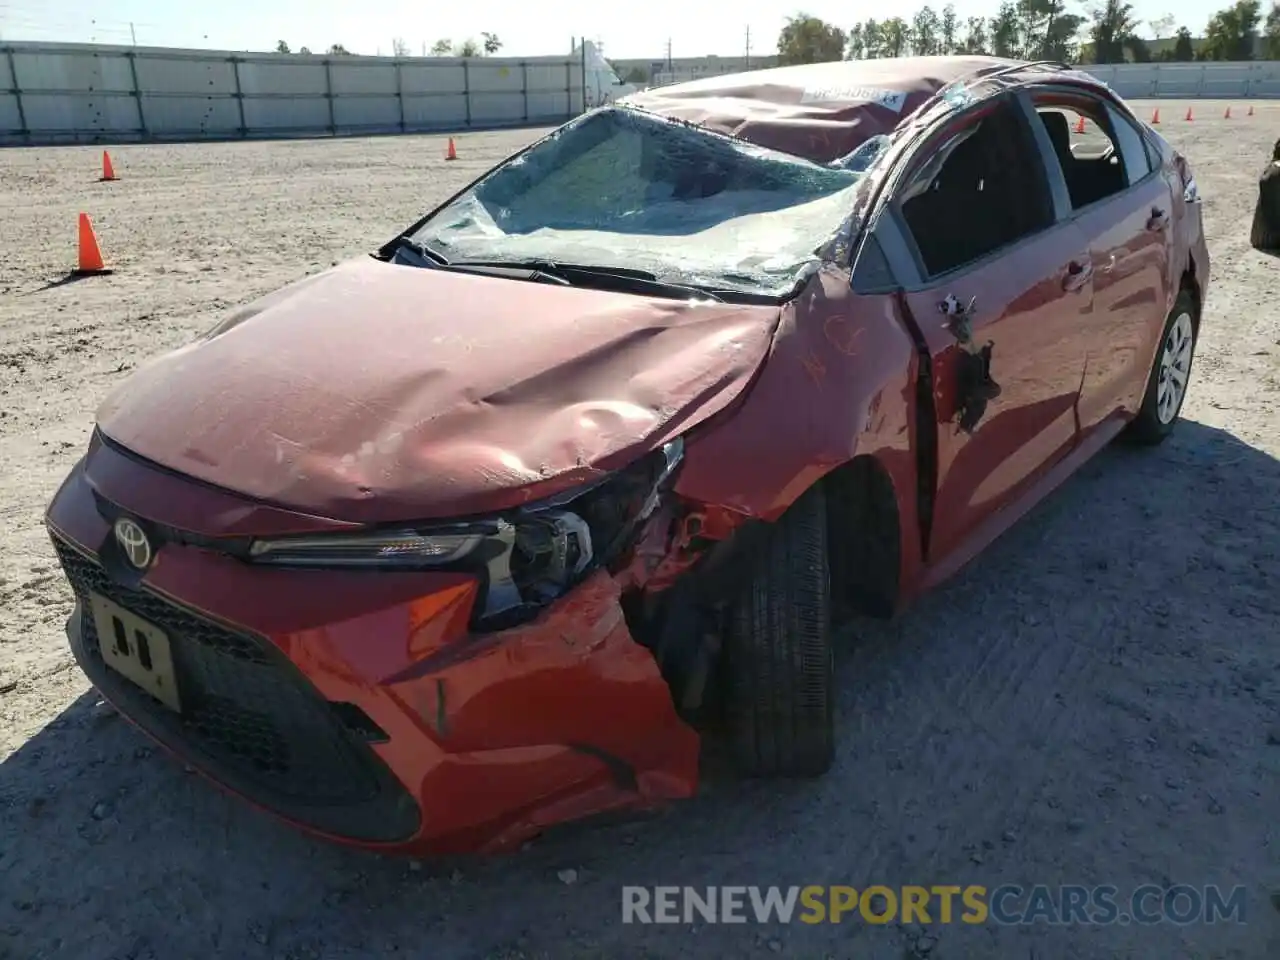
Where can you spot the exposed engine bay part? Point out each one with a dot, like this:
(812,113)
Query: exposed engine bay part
(686,570)
(742,632)
(680,566)
(557,544)
(540,552)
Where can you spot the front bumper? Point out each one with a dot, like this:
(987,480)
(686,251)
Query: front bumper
(355,704)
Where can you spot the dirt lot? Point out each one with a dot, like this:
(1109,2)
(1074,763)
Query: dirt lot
(1094,701)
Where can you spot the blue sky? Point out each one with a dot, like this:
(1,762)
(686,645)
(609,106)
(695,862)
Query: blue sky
(526,29)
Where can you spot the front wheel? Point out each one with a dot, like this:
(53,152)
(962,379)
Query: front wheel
(1170,375)
(777,646)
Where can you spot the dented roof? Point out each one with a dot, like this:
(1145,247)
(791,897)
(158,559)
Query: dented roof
(820,111)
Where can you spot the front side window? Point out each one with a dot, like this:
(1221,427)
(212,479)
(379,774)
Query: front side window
(625,189)
(982,189)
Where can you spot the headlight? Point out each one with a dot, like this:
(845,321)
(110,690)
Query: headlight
(397,548)
(526,558)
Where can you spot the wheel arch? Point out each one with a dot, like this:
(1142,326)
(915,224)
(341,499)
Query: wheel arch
(835,405)
(871,529)
(1190,282)
(864,535)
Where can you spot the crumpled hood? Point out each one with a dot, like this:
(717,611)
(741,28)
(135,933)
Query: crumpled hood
(373,392)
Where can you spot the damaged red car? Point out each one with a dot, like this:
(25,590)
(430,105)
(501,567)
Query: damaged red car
(486,530)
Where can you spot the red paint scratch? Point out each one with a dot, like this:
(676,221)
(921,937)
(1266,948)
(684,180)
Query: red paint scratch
(814,366)
(843,334)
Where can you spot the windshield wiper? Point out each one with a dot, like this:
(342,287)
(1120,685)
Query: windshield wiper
(423,251)
(559,266)
(622,278)
(625,278)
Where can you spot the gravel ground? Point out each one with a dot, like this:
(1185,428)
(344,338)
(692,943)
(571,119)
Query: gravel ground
(1093,701)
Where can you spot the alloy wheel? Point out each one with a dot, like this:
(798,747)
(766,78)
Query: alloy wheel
(1175,368)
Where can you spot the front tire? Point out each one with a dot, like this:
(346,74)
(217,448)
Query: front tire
(1170,375)
(779,667)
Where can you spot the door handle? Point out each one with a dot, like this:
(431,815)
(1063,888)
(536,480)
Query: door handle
(1079,273)
(1158,219)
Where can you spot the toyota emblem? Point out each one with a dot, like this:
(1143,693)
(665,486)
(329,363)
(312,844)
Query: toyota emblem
(133,541)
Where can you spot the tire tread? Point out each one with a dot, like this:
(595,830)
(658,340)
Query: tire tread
(778,646)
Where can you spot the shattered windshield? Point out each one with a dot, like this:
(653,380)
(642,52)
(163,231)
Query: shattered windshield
(622,188)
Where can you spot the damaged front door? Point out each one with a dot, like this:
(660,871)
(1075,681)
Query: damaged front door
(1006,287)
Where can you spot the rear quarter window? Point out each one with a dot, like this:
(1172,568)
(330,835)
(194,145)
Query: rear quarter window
(1157,148)
(1132,145)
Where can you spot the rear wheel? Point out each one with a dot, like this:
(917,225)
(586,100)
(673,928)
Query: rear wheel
(1170,375)
(779,667)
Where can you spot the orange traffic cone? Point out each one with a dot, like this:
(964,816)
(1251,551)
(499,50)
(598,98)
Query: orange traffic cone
(90,256)
(452,152)
(1079,125)
(108,172)
(1227,115)
(1188,113)
(1155,118)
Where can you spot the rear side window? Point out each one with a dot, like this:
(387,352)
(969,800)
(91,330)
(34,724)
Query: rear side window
(1097,157)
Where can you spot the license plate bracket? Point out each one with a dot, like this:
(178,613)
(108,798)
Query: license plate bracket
(136,649)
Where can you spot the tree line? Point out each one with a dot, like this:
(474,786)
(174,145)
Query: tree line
(1037,30)
(487,46)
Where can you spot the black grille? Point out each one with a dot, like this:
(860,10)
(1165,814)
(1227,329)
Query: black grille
(249,718)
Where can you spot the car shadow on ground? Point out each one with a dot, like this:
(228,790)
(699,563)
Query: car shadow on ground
(1095,678)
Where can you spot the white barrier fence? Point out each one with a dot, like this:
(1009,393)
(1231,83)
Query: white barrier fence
(1256,79)
(53,93)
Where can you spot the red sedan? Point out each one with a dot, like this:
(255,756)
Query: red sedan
(485,531)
